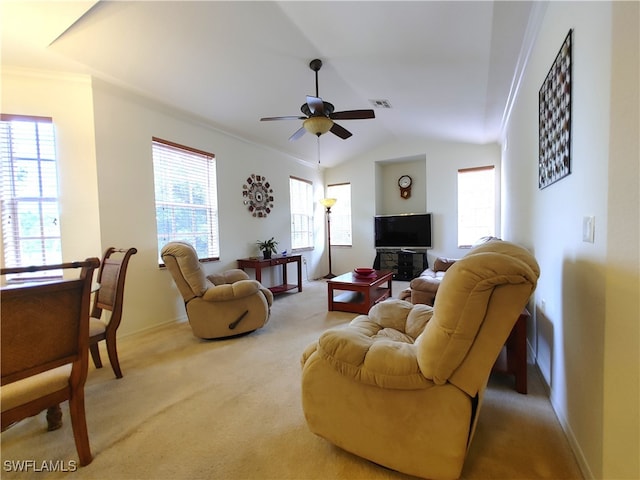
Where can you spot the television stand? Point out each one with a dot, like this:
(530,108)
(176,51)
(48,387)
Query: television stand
(405,265)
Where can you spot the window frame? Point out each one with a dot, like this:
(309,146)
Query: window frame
(210,189)
(308,212)
(491,227)
(16,231)
(340,213)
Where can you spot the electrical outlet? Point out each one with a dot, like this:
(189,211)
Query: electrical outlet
(304,260)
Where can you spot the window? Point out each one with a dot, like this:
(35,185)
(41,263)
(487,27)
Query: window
(29,191)
(186,197)
(476,204)
(340,214)
(301,195)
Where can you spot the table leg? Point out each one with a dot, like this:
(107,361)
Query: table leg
(517,352)
(367,296)
(330,297)
(54,418)
(259,274)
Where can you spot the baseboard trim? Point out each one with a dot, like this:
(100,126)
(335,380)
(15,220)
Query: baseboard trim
(151,328)
(562,420)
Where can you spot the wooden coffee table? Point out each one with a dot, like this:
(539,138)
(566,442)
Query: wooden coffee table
(358,294)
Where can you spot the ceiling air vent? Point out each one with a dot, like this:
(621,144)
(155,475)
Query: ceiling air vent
(380,103)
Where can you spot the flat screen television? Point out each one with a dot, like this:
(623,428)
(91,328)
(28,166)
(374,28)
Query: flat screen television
(412,230)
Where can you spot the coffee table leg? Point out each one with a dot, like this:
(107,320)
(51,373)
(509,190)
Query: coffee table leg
(330,296)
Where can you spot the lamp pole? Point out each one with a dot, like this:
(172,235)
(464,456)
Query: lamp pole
(328,203)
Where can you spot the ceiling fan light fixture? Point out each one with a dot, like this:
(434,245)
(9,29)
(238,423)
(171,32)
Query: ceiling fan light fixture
(318,125)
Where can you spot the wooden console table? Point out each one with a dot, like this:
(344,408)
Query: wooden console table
(259,263)
(513,357)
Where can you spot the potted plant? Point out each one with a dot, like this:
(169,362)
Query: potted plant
(267,247)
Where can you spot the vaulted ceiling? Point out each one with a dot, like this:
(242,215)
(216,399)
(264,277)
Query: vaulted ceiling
(445,68)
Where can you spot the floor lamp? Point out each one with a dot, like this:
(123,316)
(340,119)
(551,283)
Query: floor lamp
(328,203)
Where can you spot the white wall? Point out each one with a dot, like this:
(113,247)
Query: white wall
(374,178)
(621,423)
(106,172)
(390,201)
(125,124)
(67,99)
(572,315)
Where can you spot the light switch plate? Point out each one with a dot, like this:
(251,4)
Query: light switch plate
(588,229)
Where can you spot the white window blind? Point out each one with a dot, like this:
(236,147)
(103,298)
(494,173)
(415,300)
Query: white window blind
(476,204)
(340,214)
(29,191)
(301,205)
(186,197)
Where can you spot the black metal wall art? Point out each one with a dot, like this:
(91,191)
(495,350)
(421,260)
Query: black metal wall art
(554,120)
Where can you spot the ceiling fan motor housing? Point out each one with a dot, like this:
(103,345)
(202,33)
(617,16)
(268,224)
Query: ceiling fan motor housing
(328,109)
(320,114)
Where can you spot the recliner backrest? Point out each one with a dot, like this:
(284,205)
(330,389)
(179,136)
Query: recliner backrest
(182,261)
(477,305)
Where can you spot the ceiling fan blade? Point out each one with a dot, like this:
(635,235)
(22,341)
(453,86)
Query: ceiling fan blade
(341,132)
(289,117)
(316,105)
(353,115)
(298,133)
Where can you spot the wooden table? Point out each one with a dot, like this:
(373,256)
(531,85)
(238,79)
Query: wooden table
(513,357)
(359,293)
(259,263)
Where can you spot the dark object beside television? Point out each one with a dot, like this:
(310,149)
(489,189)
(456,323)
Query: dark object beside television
(403,231)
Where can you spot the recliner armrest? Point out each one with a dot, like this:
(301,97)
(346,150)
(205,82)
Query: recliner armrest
(425,284)
(231,291)
(228,276)
(268,294)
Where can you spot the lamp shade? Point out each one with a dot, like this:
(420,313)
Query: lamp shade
(318,125)
(328,202)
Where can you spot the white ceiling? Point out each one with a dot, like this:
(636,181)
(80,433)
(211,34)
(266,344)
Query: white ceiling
(446,67)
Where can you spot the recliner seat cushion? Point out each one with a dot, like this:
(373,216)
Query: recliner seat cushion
(379,349)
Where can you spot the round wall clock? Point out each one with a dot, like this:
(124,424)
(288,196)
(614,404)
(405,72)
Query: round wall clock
(404,182)
(258,195)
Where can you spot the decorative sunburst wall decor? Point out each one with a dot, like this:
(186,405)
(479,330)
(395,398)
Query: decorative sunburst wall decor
(258,195)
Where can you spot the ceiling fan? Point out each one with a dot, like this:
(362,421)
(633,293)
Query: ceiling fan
(319,115)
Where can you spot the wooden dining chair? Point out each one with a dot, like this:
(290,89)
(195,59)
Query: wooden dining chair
(44,356)
(110,296)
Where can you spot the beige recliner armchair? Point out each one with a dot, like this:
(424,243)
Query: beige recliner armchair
(219,305)
(403,385)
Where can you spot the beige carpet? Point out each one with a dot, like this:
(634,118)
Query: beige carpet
(230,409)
